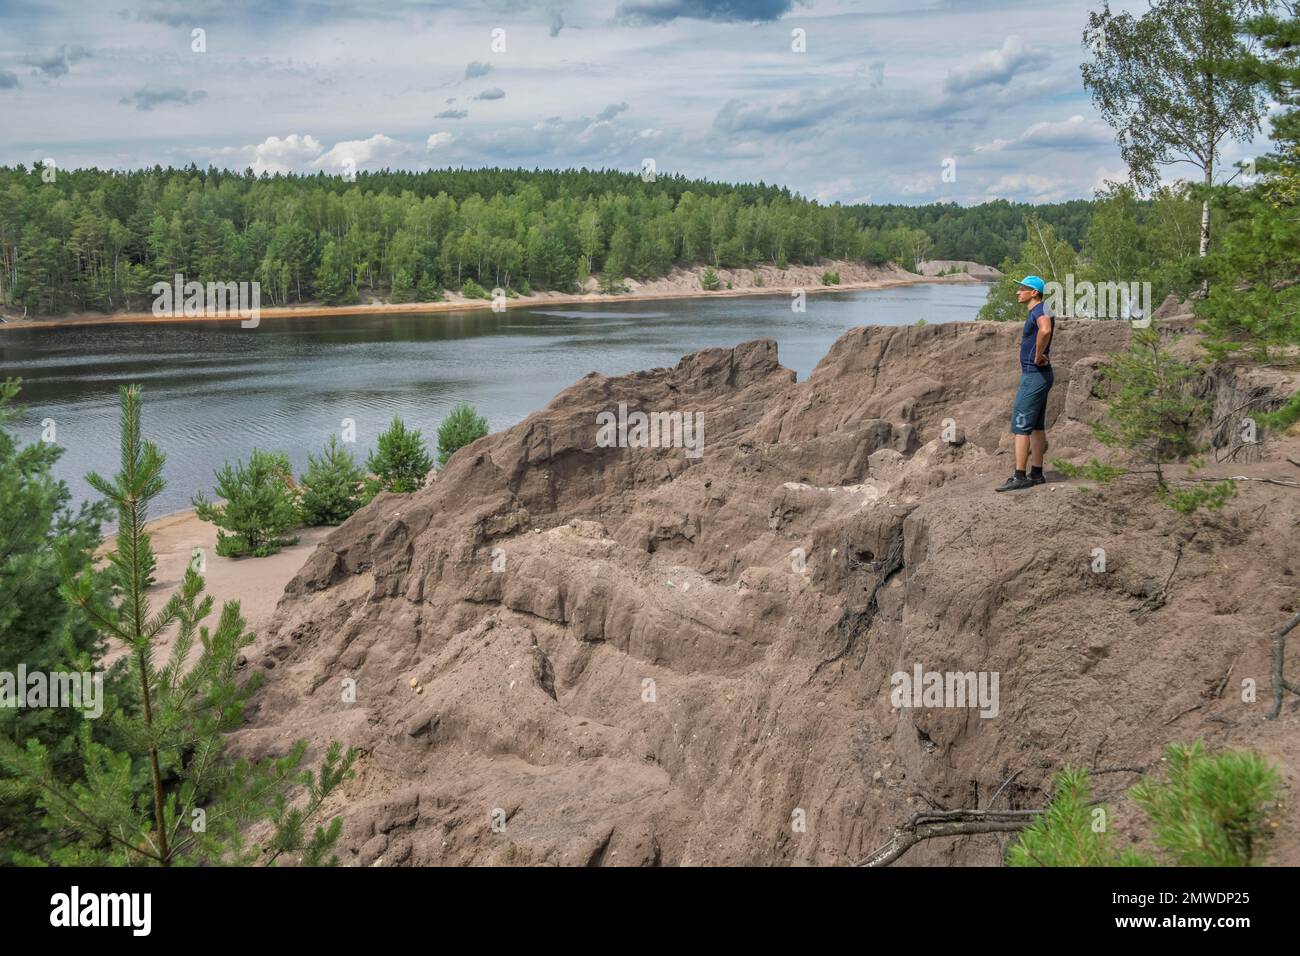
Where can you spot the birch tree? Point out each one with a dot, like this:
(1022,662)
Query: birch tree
(1166,82)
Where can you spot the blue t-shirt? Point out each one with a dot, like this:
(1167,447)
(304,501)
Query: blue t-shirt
(1029,342)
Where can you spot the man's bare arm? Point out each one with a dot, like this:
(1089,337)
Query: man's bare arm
(1044,336)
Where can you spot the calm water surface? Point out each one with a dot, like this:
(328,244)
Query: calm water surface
(213,390)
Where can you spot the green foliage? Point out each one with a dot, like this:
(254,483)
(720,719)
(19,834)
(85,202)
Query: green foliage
(1041,254)
(1254,304)
(830,278)
(611,282)
(1152,414)
(1188,501)
(1092,471)
(1174,62)
(98,239)
(462,426)
(1212,810)
(403,287)
(258,509)
(1127,240)
(1284,417)
(165,791)
(331,488)
(401,461)
(41,538)
(472,290)
(333,281)
(1071,831)
(1114,244)
(709,280)
(1150,410)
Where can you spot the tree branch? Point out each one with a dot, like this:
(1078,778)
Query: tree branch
(928,824)
(1280,685)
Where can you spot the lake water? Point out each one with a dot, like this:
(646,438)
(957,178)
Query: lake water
(214,390)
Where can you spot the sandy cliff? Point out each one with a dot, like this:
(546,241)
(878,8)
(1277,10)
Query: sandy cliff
(626,656)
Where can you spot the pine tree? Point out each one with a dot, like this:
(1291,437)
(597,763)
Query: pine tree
(1071,831)
(1254,306)
(1152,414)
(458,429)
(401,461)
(333,284)
(1213,810)
(331,488)
(40,539)
(258,507)
(171,794)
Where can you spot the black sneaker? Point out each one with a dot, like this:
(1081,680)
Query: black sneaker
(1040,480)
(1015,484)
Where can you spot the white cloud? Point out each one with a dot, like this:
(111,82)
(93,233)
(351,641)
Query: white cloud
(1068,134)
(1105,176)
(1077,132)
(995,68)
(298,153)
(881,97)
(1029,186)
(378,150)
(438,139)
(291,154)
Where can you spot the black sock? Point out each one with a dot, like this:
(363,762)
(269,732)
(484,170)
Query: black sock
(1020,473)
(1036,471)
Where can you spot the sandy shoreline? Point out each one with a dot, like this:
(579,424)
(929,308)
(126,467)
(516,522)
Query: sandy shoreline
(256,583)
(459,304)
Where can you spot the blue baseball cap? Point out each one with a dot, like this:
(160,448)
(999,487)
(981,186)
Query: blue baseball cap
(1033,282)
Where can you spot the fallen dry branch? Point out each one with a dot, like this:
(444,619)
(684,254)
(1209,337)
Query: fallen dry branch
(997,793)
(1218,689)
(1280,684)
(928,824)
(1156,601)
(1270,481)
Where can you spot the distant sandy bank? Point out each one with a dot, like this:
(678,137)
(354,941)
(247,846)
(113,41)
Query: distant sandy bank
(680,284)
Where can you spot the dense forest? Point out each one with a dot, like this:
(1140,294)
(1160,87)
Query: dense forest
(97,240)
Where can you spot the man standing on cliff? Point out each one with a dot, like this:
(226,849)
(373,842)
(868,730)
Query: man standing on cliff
(1029,411)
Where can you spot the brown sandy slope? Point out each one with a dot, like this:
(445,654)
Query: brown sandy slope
(522,692)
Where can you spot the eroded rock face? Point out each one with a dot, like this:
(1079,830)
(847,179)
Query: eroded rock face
(573,654)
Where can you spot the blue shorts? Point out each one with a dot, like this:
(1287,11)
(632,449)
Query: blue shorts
(1029,413)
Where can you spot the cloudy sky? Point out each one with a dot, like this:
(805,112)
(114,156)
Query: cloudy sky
(841,100)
